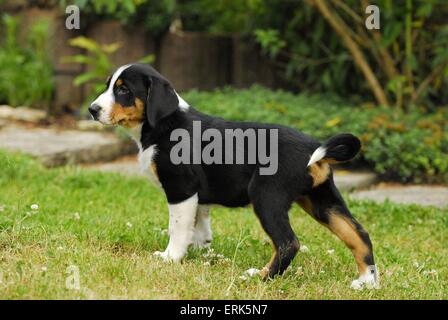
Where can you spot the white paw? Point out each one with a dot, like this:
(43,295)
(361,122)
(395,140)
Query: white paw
(200,242)
(167,256)
(356,285)
(368,279)
(202,238)
(160,254)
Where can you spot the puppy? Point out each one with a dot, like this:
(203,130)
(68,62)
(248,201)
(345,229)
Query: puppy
(140,99)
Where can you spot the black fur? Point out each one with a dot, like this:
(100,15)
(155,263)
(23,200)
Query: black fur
(161,100)
(342,147)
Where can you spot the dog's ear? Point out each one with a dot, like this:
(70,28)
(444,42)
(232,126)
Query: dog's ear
(161,100)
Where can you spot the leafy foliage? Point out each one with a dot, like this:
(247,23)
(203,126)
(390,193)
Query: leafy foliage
(403,146)
(408,55)
(25,73)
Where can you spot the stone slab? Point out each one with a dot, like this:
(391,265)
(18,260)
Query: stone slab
(425,195)
(354,180)
(59,147)
(22,114)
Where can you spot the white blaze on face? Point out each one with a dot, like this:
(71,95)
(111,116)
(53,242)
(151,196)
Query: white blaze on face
(107,99)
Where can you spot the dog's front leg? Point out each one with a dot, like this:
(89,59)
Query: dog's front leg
(181,229)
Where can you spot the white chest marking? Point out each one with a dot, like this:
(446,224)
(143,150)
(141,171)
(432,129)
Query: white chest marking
(145,157)
(147,164)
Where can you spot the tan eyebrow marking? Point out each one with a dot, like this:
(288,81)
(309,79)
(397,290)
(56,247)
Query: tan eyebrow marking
(119,82)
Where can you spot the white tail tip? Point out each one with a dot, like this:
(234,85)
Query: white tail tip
(317,155)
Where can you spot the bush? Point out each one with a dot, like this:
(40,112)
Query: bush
(25,73)
(410,147)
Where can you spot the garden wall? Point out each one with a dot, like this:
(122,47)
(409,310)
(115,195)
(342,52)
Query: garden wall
(189,59)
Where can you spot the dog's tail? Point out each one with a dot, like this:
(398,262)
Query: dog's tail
(339,148)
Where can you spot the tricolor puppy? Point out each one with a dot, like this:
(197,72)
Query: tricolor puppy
(139,98)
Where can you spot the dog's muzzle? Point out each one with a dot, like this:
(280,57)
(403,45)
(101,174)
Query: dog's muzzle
(94,110)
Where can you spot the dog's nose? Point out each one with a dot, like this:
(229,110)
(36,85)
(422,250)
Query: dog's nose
(94,110)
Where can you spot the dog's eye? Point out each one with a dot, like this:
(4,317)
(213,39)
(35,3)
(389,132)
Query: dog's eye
(122,90)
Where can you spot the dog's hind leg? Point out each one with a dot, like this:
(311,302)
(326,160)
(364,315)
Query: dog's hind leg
(325,204)
(272,211)
(202,230)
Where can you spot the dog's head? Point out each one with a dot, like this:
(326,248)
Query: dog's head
(135,93)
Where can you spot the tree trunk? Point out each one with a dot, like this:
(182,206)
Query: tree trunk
(335,21)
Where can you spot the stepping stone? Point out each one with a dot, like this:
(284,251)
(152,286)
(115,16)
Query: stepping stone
(424,195)
(59,147)
(22,114)
(353,180)
(127,166)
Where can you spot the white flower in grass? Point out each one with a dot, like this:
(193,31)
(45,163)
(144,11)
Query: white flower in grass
(34,207)
(304,248)
(77,216)
(330,251)
(44,269)
(2,208)
(129,225)
(416,264)
(432,272)
(252,272)
(206,263)
(249,273)
(60,248)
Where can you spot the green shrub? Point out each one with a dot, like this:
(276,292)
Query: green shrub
(26,75)
(410,147)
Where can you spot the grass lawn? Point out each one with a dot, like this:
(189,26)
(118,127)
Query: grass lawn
(107,226)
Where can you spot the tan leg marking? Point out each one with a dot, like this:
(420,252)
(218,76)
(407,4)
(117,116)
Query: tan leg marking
(153,169)
(264,273)
(319,171)
(306,204)
(345,230)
